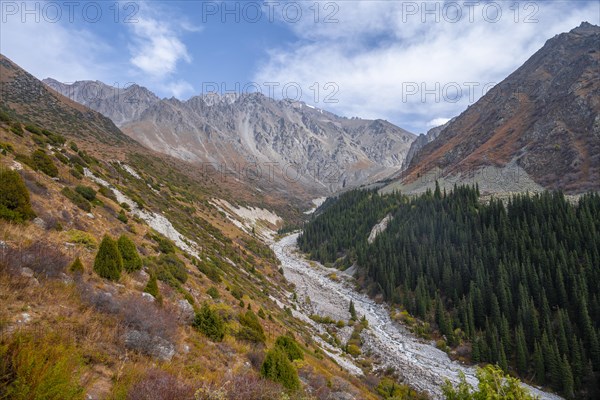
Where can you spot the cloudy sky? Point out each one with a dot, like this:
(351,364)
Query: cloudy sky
(415,64)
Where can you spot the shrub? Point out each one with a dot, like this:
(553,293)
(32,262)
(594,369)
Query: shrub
(209,270)
(164,245)
(55,139)
(87,158)
(39,368)
(251,330)
(6,148)
(24,159)
(61,157)
(353,350)
(76,174)
(493,384)
(107,192)
(391,390)
(4,117)
(210,323)
(76,199)
(78,161)
(81,237)
(73,146)
(134,312)
(15,204)
(256,358)
(122,217)
(76,267)
(290,347)
(41,257)
(152,286)
(171,269)
(41,141)
(157,384)
(44,163)
(108,263)
(236,292)
(278,368)
(33,129)
(131,258)
(16,128)
(86,192)
(213,292)
(242,387)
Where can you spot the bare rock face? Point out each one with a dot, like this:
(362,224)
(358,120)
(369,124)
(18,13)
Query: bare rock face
(253,135)
(119,104)
(545,117)
(421,141)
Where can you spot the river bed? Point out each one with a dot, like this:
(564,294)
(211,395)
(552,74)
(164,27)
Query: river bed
(421,364)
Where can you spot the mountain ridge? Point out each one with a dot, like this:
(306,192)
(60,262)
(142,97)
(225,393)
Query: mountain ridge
(318,148)
(544,118)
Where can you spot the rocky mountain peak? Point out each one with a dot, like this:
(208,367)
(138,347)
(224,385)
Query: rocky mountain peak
(586,29)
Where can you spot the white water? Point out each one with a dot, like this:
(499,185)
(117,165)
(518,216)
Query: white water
(422,365)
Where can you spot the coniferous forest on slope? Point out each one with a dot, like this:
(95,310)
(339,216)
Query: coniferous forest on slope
(518,279)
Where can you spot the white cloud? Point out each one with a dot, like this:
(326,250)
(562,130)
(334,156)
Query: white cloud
(81,49)
(378,54)
(178,88)
(437,122)
(156,49)
(59,50)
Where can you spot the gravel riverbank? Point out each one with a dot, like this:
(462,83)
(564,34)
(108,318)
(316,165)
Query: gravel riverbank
(422,365)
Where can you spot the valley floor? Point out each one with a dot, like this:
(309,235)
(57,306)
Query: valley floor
(422,365)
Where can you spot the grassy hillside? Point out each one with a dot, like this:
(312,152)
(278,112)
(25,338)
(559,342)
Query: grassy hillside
(66,332)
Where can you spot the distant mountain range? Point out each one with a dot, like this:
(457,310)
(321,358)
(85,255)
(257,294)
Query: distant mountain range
(539,128)
(288,140)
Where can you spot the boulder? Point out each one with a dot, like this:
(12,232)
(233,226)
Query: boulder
(153,346)
(186,311)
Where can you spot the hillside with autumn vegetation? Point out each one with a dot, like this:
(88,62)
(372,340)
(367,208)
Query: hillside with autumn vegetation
(125,274)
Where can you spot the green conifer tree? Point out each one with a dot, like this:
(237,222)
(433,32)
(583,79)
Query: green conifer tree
(278,368)
(15,204)
(131,258)
(76,267)
(210,323)
(352,311)
(108,263)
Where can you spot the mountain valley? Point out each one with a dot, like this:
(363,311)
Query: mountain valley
(239,247)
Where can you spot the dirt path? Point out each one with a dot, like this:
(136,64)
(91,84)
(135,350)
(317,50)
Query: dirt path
(421,364)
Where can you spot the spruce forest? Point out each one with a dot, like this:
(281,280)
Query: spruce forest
(517,280)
